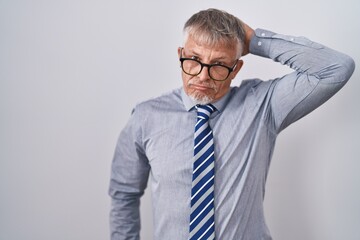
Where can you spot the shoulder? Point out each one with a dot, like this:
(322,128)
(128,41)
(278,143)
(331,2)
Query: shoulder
(164,102)
(147,111)
(250,86)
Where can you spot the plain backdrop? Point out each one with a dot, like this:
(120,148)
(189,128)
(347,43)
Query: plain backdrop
(71,71)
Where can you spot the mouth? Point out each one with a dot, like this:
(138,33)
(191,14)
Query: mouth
(200,87)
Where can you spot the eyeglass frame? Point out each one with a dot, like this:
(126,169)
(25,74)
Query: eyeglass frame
(230,69)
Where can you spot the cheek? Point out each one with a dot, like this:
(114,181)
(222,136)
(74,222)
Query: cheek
(222,88)
(185,79)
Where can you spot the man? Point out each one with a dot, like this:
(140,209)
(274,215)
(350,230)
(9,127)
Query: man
(208,183)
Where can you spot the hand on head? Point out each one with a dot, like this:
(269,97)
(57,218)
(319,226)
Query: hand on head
(249,33)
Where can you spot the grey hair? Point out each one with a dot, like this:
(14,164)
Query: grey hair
(213,27)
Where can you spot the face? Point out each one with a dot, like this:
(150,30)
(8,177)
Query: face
(201,88)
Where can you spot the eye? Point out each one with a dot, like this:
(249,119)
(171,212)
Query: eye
(195,58)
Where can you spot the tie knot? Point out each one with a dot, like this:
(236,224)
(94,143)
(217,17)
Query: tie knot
(204,111)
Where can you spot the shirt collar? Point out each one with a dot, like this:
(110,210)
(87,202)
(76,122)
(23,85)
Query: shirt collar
(189,104)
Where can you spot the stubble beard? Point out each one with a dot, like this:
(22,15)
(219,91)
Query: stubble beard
(200,97)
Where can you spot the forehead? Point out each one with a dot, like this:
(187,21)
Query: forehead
(220,49)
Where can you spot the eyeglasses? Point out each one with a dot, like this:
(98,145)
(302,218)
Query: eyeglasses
(217,71)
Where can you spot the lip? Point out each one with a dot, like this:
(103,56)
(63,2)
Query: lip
(201,87)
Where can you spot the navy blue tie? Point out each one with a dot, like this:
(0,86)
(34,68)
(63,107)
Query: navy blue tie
(202,191)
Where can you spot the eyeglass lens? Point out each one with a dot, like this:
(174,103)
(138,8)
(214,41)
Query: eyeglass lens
(216,72)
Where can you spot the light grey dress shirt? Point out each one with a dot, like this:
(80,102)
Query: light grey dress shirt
(158,139)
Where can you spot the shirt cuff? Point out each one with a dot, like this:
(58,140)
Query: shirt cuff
(260,43)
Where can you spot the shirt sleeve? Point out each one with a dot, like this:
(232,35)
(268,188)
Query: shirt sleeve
(129,176)
(319,73)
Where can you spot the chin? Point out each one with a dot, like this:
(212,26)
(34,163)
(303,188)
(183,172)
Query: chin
(201,98)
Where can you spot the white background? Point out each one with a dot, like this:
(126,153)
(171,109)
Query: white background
(71,71)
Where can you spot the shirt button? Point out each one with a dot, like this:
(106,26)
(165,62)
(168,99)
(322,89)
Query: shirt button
(292,39)
(263,34)
(259,43)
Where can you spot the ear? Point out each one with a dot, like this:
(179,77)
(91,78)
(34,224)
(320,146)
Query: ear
(179,51)
(239,65)
(179,54)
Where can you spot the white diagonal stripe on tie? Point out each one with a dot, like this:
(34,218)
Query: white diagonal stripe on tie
(203,162)
(212,200)
(202,139)
(202,187)
(200,130)
(203,150)
(202,174)
(206,230)
(198,202)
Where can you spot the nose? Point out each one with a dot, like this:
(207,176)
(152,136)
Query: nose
(204,74)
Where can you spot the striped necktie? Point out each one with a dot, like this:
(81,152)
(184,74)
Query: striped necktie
(202,191)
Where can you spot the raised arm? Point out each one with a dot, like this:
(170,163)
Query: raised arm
(319,73)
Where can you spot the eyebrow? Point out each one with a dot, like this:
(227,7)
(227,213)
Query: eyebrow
(222,58)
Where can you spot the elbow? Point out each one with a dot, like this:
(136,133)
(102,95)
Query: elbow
(337,72)
(347,67)
(350,65)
